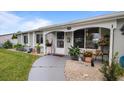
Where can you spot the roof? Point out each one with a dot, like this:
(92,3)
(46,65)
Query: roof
(114,15)
(6,34)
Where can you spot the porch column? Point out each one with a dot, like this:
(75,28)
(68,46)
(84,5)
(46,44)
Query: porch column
(28,39)
(22,39)
(72,42)
(44,42)
(33,40)
(100,32)
(111,46)
(85,38)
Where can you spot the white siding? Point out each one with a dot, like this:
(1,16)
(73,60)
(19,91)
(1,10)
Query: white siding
(119,38)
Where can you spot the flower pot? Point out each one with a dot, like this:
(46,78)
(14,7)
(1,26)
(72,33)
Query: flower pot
(74,57)
(38,50)
(49,50)
(88,59)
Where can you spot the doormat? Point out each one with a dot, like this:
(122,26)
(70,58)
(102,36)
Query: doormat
(60,55)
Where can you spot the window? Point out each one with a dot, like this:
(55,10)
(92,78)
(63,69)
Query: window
(79,38)
(92,38)
(60,39)
(39,38)
(25,39)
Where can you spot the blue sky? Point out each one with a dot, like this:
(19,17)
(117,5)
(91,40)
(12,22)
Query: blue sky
(22,21)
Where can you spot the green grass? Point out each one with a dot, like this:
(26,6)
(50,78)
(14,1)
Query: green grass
(15,65)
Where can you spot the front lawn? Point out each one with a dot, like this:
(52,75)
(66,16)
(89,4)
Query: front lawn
(15,65)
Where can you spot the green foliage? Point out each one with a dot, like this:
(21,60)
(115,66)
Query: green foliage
(48,43)
(113,72)
(74,51)
(7,44)
(38,47)
(14,36)
(15,65)
(19,47)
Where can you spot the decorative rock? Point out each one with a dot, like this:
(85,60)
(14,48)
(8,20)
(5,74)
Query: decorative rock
(85,75)
(74,70)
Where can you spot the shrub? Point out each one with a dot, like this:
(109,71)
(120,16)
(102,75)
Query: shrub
(113,72)
(19,47)
(7,44)
(74,51)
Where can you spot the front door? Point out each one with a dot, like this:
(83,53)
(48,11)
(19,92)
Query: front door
(60,43)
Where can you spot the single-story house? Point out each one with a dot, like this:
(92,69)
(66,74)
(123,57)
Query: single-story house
(83,33)
(5,37)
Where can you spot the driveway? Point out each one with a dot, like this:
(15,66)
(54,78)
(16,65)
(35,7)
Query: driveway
(48,68)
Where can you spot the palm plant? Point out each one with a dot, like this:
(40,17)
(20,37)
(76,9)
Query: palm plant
(74,52)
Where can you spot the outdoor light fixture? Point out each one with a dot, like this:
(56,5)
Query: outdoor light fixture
(122,29)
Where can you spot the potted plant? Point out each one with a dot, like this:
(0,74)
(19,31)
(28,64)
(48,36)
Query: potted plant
(88,56)
(38,47)
(74,52)
(103,42)
(48,44)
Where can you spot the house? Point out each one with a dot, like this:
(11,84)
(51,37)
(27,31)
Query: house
(5,37)
(83,33)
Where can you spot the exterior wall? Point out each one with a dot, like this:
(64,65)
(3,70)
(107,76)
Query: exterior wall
(4,38)
(19,39)
(31,39)
(119,38)
(103,24)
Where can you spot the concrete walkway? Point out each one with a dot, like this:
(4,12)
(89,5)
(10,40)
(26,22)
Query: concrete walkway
(48,68)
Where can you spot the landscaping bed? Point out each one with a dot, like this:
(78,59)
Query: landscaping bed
(82,71)
(15,65)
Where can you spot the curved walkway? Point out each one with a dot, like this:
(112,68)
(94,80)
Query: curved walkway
(48,68)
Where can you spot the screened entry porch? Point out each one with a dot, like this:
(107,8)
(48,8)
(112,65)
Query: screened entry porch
(85,39)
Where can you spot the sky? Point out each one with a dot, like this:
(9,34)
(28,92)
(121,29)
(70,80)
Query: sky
(14,21)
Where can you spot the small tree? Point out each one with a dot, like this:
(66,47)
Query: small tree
(7,44)
(14,36)
(113,72)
